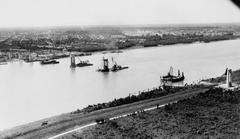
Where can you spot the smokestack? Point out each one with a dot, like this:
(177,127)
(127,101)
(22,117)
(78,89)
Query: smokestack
(72,60)
(105,63)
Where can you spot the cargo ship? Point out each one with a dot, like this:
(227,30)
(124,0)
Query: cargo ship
(173,78)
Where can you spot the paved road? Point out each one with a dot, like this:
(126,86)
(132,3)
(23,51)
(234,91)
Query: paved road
(152,103)
(95,123)
(67,123)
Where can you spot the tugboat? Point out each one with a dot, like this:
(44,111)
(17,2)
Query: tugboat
(80,64)
(172,78)
(117,67)
(49,61)
(105,66)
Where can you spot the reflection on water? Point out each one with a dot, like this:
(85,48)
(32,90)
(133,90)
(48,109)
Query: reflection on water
(30,91)
(73,70)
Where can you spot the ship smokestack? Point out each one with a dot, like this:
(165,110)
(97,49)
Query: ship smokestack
(105,63)
(72,60)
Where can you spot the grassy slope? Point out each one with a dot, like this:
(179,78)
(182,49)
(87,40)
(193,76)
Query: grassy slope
(59,124)
(215,114)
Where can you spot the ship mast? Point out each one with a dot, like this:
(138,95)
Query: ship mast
(114,62)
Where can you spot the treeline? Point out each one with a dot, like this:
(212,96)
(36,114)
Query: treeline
(210,98)
(158,92)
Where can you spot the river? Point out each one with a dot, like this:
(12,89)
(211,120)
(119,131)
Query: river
(30,91)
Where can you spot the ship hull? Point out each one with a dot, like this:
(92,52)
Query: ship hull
(49,62)
(81,65)
(173,79)
(118,68)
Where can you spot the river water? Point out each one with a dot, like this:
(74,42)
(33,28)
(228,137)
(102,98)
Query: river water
(30,91)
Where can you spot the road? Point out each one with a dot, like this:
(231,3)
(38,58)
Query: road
(95,123)
(112,118)
(68,123)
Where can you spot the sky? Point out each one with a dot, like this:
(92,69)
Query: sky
(31,13)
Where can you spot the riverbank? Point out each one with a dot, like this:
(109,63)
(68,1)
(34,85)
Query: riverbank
(100,38)
(59,105)
(185,108)
(197,109)
(146,65)
(34,55)
(214,114)
(142,95)
(65,122)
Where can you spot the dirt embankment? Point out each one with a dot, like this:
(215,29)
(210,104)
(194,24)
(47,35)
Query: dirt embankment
(214,114)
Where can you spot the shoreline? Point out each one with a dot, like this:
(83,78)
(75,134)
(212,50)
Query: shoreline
(68,120)
(64,119)
(171,45)
(89,53)
(211,114)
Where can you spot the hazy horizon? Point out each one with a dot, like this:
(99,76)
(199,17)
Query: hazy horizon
(62,13)
(118,26)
